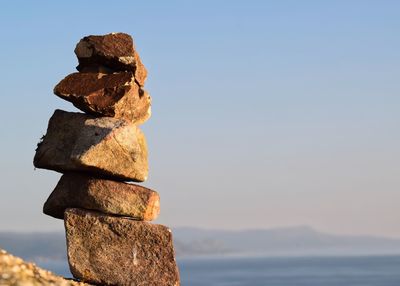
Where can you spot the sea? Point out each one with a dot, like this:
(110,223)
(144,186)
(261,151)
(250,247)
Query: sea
(279,271)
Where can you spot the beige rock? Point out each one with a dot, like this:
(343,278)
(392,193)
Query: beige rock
(75,190)
(14,271)
(114,95)
(115,51)
(103,146)
(111,250)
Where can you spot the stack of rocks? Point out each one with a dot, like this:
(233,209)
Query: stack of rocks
(109,241)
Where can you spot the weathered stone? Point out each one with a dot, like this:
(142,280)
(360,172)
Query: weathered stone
(77,190)
(110,250)
(103,146)
(114,95)
(115,51)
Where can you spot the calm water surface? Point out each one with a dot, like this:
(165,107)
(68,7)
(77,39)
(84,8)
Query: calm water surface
(281,271)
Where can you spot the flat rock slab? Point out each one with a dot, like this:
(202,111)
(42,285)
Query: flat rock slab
(104,146)
(111,250)
(115,51)
(113,95)
(77,190)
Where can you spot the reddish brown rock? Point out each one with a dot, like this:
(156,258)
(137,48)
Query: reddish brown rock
(103,146)
(111,250)
(76,190)
(114,95)
(115,51)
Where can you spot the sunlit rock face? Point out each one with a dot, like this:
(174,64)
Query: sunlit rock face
(106,146)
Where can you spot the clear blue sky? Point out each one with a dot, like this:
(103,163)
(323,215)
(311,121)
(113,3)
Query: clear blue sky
(265,113)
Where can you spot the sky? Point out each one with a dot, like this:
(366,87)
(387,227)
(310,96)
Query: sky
(265,113)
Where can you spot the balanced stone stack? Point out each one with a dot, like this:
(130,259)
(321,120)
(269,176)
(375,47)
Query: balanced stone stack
(109,240)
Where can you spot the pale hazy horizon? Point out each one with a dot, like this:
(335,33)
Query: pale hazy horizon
(265,113)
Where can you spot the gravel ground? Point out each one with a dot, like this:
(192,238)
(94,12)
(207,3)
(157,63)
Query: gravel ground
(16,272)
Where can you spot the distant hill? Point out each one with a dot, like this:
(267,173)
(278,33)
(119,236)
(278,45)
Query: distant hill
(195,241)
(301,240)
(34,246)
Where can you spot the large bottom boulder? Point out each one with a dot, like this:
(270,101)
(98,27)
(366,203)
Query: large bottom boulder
(110,250)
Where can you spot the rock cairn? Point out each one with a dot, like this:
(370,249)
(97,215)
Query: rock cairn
(109,240)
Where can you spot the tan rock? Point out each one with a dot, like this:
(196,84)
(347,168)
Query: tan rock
(76,190)
(103,146)
(115,51)
(114,95)
(111,250)
(14,271)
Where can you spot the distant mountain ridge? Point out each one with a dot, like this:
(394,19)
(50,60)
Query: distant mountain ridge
(34,245)
(196,241)
(302,240)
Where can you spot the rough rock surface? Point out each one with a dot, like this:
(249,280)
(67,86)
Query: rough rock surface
(104,146)
(114,95)
(119,251)
(76,190)
(115,51)
(15,272)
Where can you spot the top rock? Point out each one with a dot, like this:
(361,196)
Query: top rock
(111,52)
